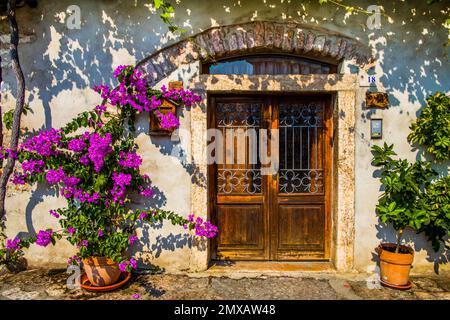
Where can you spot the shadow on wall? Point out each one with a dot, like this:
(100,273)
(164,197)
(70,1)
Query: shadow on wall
(386,233)
(171,146)
(79,59)
(64,60)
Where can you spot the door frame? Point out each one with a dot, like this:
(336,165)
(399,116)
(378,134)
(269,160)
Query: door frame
(344,88)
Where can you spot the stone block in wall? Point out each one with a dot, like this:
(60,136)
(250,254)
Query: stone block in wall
(278,36)
(342,49)
(309,42)
(203,47)
(216,41)
(240,37)
(250,37)
(318,44)
(299,40)
(268,34)
(334,47)
(259,34)
(149,70)
(288,39)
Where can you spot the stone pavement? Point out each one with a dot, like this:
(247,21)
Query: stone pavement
(51,284)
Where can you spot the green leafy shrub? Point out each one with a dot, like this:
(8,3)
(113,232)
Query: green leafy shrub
(432,127)
(436,201)
(404,184)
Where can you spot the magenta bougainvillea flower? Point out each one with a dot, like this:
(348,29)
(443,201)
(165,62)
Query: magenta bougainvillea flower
(127,265)
(100,109)
(13,244)
(45,143)
(123,266)
(99,148)
(187,97)
(71,181)
(18,178)
(142,215)
(74,260)
(44,238)
(84,160)
(167,120)
(148,192)
(71,230)
(54,214)
(76,145)
(55,176)
(132,239)
(32,166)
(83,243)
(203,228)
(130,160)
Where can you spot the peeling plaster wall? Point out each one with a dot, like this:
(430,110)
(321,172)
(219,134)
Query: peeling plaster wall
(61,64)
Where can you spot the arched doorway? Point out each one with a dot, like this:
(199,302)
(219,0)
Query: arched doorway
(186,61)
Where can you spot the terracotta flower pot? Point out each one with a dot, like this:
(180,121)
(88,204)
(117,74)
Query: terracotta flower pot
(395,267)
(101,271)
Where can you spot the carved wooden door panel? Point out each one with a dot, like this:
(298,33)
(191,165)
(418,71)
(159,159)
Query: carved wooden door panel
(281,216)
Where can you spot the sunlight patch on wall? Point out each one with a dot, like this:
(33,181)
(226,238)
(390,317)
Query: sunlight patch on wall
(214,23)
(62,105)
(254,15)
(106,18)
(54,47)
(121,56)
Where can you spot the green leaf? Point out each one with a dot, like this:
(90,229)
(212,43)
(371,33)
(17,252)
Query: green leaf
(158,3)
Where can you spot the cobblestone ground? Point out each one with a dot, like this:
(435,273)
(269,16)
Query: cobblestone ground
(51,284)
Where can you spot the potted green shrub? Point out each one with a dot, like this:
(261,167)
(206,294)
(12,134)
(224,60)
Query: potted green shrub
(401,206)
(413,196)
(93,162)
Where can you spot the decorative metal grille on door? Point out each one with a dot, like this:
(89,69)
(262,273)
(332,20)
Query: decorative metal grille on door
(241,171)
(301,166)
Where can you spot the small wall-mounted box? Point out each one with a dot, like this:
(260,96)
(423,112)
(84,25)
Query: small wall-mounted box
(378,100)
(166,106)
(376,128)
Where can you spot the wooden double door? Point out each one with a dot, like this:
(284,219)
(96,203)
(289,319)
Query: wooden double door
(275,206)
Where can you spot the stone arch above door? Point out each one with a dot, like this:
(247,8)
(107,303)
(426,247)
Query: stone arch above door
(253,37)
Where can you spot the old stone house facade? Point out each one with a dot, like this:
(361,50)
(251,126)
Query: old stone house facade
(320,58)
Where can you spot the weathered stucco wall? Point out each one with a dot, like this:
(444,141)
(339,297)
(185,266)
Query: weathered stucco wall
(62,64)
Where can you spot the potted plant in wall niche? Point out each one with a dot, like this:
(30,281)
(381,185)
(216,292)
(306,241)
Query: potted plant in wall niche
(93,162)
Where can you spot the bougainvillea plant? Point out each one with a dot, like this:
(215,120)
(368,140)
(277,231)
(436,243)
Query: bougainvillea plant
(93,163)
